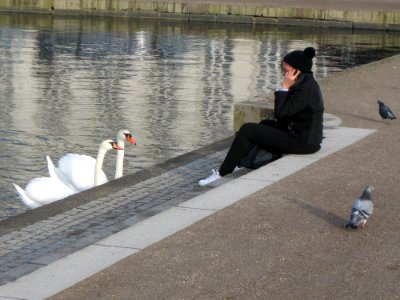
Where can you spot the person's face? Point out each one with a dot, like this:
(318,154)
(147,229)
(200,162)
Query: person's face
(286,68)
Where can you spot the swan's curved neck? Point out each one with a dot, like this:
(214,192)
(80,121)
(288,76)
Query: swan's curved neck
(99,165)
(120,160)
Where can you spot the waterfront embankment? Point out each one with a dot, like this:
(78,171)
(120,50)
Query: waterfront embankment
(360,14)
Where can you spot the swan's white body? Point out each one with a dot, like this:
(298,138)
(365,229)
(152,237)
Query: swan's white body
(122,136)
(43,190)
(75,169)
(79,172)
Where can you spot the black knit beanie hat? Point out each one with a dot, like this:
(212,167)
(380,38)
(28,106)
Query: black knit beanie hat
(301,60)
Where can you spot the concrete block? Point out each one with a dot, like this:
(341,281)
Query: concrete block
(254,111)
(392,18)
(297,13)
(334,15)
(234,19)
(202,18)
(367,17)
(226,193)
(172,7)
(369,26)
(336,139)
(67,5)
(174,16)
(373,17)
(334,24)
(394,27)
(218,9)
(243,10)
(146,5)
(331,121)
(137,237)
(265,21)
(251,111)
(43,5)
(275,12)
(197,8)
(296,22)
(145,14)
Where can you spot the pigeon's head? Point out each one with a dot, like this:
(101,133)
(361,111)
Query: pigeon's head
(369,188)
(380,103)
(357,220)
(366,195)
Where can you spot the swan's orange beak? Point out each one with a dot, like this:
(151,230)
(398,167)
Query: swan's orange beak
(117,147)
(130,139)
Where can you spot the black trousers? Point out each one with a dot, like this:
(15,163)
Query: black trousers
(267,136)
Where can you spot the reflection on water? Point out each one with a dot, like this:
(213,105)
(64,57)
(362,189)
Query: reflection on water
(67,84)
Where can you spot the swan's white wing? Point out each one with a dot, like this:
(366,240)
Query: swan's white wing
(57,174)
(78,169)
(43,190)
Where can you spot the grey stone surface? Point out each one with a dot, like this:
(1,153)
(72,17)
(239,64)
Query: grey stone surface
(202,18)
(40,243)
(234,19)
(334,24)
(296,22)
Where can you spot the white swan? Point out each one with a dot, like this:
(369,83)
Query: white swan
(65,162)
(44,190)
(81,172)
(122,136)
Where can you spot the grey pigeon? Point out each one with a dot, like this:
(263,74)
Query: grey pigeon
(385,111)
(362,209)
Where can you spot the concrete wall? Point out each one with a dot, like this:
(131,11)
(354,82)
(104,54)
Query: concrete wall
(251,111)
(214,12)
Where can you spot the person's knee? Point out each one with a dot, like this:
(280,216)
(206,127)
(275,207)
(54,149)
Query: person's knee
(247,127)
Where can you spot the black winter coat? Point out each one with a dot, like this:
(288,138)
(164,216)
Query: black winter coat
(300,110)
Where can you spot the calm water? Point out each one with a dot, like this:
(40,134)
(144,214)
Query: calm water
(67,84)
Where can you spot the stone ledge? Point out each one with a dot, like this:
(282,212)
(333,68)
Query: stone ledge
(255,111)
(296,22)
(235,19)
(202,18)
(334,24)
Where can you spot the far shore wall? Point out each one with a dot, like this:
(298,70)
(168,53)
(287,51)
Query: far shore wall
(211,12)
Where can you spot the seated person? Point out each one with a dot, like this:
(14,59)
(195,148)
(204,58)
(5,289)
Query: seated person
(298,111)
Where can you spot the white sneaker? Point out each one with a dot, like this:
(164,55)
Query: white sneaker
(214,176)
(237,169)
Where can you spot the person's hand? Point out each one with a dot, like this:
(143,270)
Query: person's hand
(290,78)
